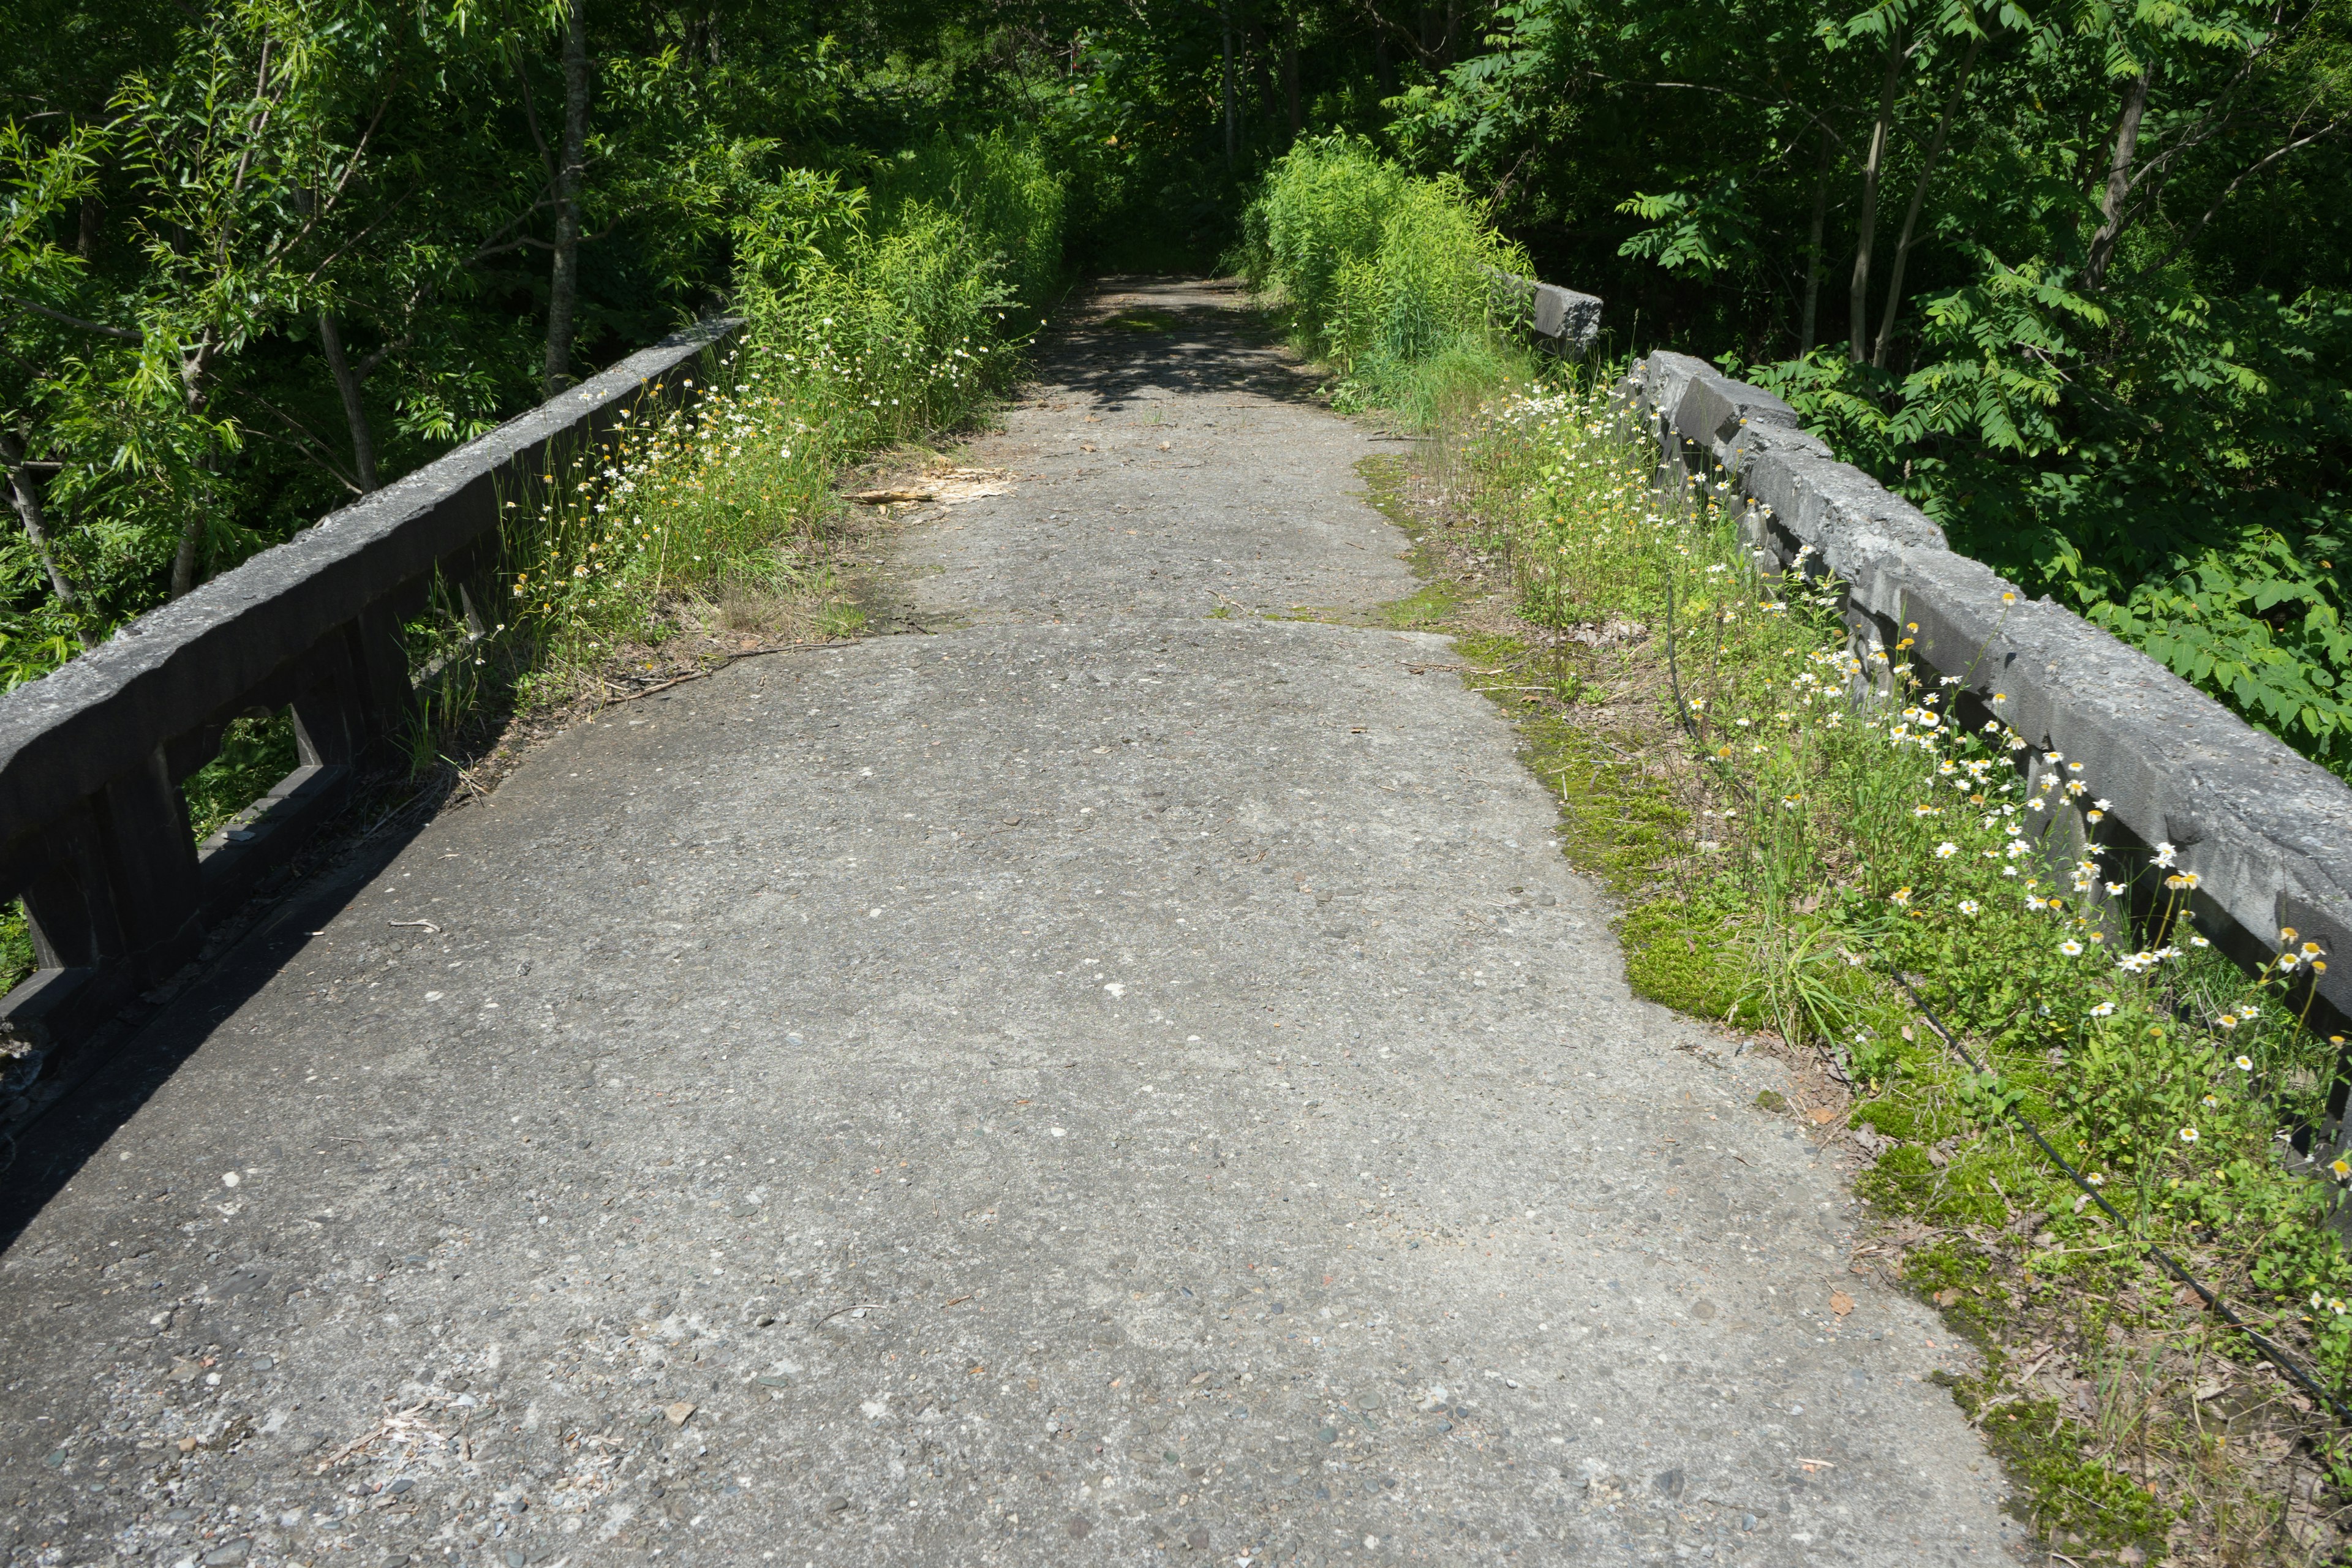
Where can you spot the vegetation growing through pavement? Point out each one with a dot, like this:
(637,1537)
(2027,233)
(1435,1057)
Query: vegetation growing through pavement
(1823,824)
(1781,867)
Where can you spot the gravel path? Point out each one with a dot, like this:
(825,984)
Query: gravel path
(1099,1083)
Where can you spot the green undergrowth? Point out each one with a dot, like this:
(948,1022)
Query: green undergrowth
(1793,823)
(1389,279)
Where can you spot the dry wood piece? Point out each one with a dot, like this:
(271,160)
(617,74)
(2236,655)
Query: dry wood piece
(952,488)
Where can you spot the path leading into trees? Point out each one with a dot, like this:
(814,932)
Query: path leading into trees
(1099,1083)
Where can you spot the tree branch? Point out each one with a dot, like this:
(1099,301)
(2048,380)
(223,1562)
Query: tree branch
(125,333)
(2256,167)
(309,445)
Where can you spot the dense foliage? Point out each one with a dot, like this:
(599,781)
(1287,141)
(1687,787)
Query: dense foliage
(2075,277)
(1390,278)
(257,258)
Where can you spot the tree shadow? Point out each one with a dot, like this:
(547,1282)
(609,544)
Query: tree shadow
(1133,340)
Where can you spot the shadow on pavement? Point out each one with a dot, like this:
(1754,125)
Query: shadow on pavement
(1216,343)
(128,1071)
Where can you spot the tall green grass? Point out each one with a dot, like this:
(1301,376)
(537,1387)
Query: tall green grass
(1393,279)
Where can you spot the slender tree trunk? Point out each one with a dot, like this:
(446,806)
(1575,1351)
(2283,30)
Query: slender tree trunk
(1918,199)
(195,394)
(184,559)
(2111,202)
(347,382)
(1262,62)
(1383,65)
(1290,83)
(93,213)
(563,283)
(1814,250)
(25,495)
(1874,165)
(1233,130)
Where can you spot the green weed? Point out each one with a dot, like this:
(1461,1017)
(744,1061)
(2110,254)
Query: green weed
(1388,278)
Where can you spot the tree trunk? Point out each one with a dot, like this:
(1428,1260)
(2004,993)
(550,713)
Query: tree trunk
(195,395)
(25,495)
(2111,202)
(1383,67)
(1290,83)
(1261,59)
(563,283)
(1918,199)
(347,382)
(1814,250)
(1858,295)
(1233,131)
(184,559)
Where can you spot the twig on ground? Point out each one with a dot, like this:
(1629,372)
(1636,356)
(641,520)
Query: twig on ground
(852,1307)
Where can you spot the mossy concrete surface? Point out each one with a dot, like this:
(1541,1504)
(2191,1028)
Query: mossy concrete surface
(1100,1081)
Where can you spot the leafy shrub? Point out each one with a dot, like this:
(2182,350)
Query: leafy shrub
(1390,277)
(873,316)
(2197,514)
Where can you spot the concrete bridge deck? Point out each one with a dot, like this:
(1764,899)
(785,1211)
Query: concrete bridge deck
(1097,1084)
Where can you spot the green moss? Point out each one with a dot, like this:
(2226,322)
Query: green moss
(1677,957)
(1143,319)
(1616,824)
(1420,610)
(2065,1491)
(1903,1181)
(1890,1119)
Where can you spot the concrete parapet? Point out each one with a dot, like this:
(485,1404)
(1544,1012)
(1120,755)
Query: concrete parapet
(2267,832)
(93,830)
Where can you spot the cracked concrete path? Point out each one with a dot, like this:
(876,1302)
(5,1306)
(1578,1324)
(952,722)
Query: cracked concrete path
(1101,1083)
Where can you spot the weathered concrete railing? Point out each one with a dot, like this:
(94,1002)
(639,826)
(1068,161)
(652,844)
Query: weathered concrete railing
(1570,321)
(2266,833)
(94,833)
